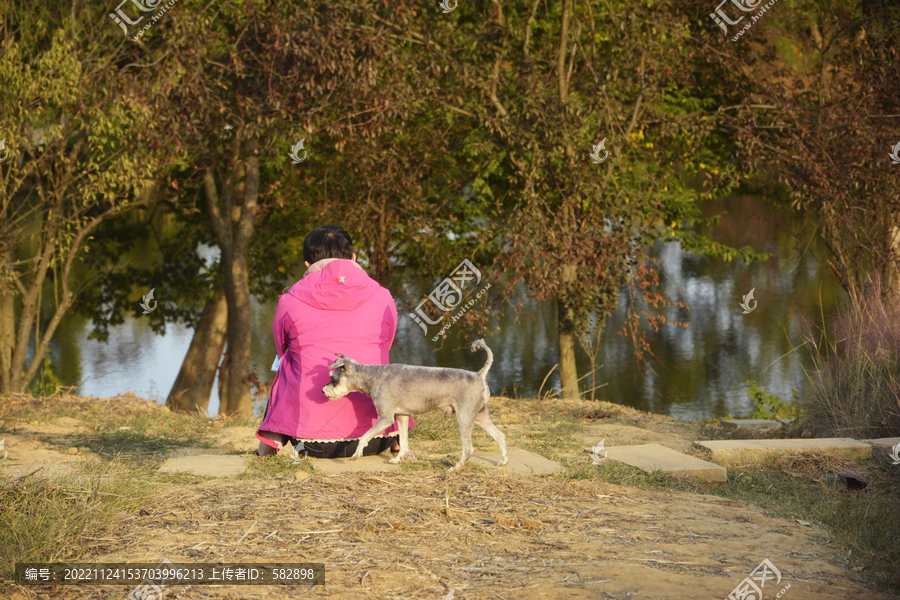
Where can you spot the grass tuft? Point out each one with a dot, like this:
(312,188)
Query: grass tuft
(47,520)
(855,389)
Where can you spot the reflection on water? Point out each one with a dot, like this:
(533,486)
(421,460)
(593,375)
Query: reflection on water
(701,369)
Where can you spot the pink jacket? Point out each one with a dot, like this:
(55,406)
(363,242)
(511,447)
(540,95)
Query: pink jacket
(336,309)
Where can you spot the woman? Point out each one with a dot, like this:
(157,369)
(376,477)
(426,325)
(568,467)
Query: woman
(334,308)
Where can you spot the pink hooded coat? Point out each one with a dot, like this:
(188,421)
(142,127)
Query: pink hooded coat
(336,309)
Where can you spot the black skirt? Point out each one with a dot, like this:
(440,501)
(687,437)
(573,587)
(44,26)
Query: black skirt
(344,449)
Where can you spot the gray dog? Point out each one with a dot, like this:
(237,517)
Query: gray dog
(403,390)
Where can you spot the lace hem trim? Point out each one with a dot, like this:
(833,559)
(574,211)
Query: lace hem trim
(392,434)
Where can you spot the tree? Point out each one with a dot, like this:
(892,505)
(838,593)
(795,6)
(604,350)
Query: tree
(233,86)
(833,119)
(69,121)
(358,167)
(551,84)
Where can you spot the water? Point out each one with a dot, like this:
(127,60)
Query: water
(700,374)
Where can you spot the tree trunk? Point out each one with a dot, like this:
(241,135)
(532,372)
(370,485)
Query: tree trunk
(568,372)
(890,290)
(565,315)
(29,315)
(237,290)
(233,225)
(224,375)
(193,386)
(7,338)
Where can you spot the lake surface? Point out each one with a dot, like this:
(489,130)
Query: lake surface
(700,372)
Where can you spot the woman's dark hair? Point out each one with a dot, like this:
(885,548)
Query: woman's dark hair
(327,241)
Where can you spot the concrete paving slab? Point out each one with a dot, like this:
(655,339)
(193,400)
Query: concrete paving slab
(210,465)
(889,442)
(650,458)
(364,464)
(520,462)
(63,427)
(752,424)
(25,456)
(742,452)
(46,470)
(191,451)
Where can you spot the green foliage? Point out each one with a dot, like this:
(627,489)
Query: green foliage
(574,230)
(137,252)
(46,383)
(72,125)
(769,406)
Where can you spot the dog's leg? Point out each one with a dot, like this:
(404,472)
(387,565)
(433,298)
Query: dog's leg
(484,421)
(466,422)
(382,424)
(403,424)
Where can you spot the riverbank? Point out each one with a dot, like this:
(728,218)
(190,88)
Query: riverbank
(589,531)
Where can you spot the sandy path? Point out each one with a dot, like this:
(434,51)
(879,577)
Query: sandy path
(505,537)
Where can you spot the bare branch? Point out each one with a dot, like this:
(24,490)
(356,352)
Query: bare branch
(563,50)
(526,48)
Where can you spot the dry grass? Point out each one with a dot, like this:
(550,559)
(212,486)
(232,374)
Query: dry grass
(588,532)
(855,389)
(863,520)
(416,535)
(46,521)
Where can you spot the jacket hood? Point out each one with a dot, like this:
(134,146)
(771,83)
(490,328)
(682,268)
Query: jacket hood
(340,285)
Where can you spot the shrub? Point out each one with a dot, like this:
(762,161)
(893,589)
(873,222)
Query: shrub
(855,387)
(769,406)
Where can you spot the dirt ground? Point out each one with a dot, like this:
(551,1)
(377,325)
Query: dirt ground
(427,534)
(505,537)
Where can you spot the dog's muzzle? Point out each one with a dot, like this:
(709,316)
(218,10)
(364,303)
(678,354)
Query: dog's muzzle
(334,391)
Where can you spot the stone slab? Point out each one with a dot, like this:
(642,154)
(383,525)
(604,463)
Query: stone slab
(63,427)
(191,451)
(752,424)
(888,442)
(25,456)
(209,465)
(364,464)
(651,457)
(742,452)
(521,462)
(46,470)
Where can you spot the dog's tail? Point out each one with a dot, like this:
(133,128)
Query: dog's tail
(490,357)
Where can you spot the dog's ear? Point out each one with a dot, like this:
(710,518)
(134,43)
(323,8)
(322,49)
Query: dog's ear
(342,362)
